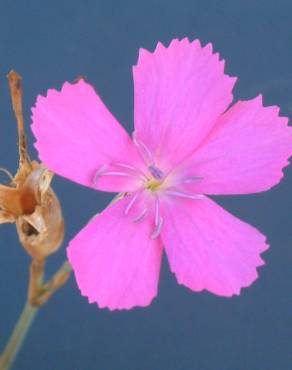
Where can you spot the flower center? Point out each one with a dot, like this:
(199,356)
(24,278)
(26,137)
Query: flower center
(153,180)
(153,185)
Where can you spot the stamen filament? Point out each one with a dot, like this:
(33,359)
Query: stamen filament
(116,173)
(131,168)
(143,150)
(158,220)
(99,173)
(157,229)
(141,216)
(178,193)
(157,211)
(131,203)
(190,180)
(103,172)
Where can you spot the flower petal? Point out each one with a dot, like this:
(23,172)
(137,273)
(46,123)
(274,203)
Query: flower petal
(116,263)
(76,135)
(208,248)
(245,153)
(179,91)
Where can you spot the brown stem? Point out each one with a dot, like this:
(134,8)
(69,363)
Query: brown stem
(37,270)
(41,293)
(15,85)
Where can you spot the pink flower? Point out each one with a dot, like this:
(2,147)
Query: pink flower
(185,147)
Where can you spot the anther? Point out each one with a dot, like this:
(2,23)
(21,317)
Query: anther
(156,172)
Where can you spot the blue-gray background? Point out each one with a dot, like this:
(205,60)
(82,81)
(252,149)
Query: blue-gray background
(53,41)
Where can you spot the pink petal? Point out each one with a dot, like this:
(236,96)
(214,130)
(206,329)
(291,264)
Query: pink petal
(76,135)
(210,249)
(245,153)
(179,91)
(116,263)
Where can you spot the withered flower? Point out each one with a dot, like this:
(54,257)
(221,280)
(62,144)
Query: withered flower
(28,200)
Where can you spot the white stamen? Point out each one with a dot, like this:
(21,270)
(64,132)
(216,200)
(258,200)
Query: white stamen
(102,172)
(117,173)
(131,203)
(157,211)
(190,180)
(178,193)
(157,229)
(141,216)
(143,149)
(124,165)
(99,173)
(137,171)
(158,220)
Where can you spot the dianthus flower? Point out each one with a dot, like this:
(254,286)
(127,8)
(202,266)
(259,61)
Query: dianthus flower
(186,146)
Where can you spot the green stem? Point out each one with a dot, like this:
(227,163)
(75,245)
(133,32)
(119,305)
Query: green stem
(28,314)
(19,333)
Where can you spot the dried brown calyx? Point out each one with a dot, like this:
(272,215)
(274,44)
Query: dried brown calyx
(29,201)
